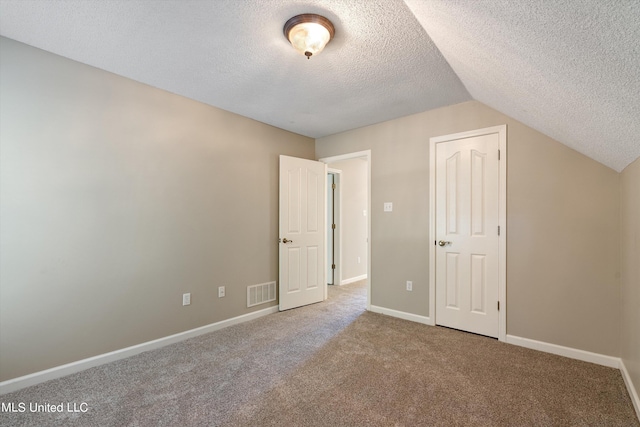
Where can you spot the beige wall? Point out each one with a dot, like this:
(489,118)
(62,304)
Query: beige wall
(117,198)
(562,224)
(353,228)
(630,270)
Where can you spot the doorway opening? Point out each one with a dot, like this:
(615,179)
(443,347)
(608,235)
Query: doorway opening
(351,206)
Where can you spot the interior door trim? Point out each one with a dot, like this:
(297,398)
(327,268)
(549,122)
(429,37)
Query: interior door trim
(366,154)
(337,238)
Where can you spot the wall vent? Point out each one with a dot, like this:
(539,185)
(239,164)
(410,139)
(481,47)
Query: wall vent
(259,294)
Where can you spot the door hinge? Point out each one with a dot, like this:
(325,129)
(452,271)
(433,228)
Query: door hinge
(498,230)
(333,186)
(333,226)
(333,266)
(498,154)
(498,305)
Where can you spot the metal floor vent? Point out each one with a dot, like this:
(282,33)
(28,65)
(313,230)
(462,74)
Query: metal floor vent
(259,294)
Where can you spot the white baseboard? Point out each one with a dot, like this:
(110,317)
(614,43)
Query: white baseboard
(585,356)
(14,384)
(353,279)
(633,393)
(401,315)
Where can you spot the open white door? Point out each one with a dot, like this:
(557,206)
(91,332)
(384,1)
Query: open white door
(302,232)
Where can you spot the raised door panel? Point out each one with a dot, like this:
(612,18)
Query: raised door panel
(452,187)
(313,186)
(478,286)
(293,270)
(478,193)
(452,280)
(294,202)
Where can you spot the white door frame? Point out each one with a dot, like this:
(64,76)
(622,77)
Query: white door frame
(361,155)
(502,221)
(337,237)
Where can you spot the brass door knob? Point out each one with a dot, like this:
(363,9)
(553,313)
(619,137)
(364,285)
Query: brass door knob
(444,242)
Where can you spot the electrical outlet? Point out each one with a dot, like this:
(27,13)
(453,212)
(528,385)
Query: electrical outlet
(358,260)
(409,285)
(221,291)
(186,299)
(388,206)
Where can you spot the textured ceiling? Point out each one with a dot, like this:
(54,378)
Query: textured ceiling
(568,68)
(232,54)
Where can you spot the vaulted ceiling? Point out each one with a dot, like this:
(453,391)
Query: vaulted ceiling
(568,68)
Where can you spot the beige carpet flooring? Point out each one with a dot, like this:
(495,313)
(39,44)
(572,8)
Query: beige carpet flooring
(333,364)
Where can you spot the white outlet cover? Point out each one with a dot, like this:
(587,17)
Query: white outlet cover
(409,285)
(221,291)
(388,206)
(186,299)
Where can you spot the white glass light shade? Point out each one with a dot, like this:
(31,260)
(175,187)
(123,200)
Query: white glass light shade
(308,33)
(309,38)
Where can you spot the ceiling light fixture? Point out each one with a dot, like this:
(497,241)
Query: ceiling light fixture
(309,33)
